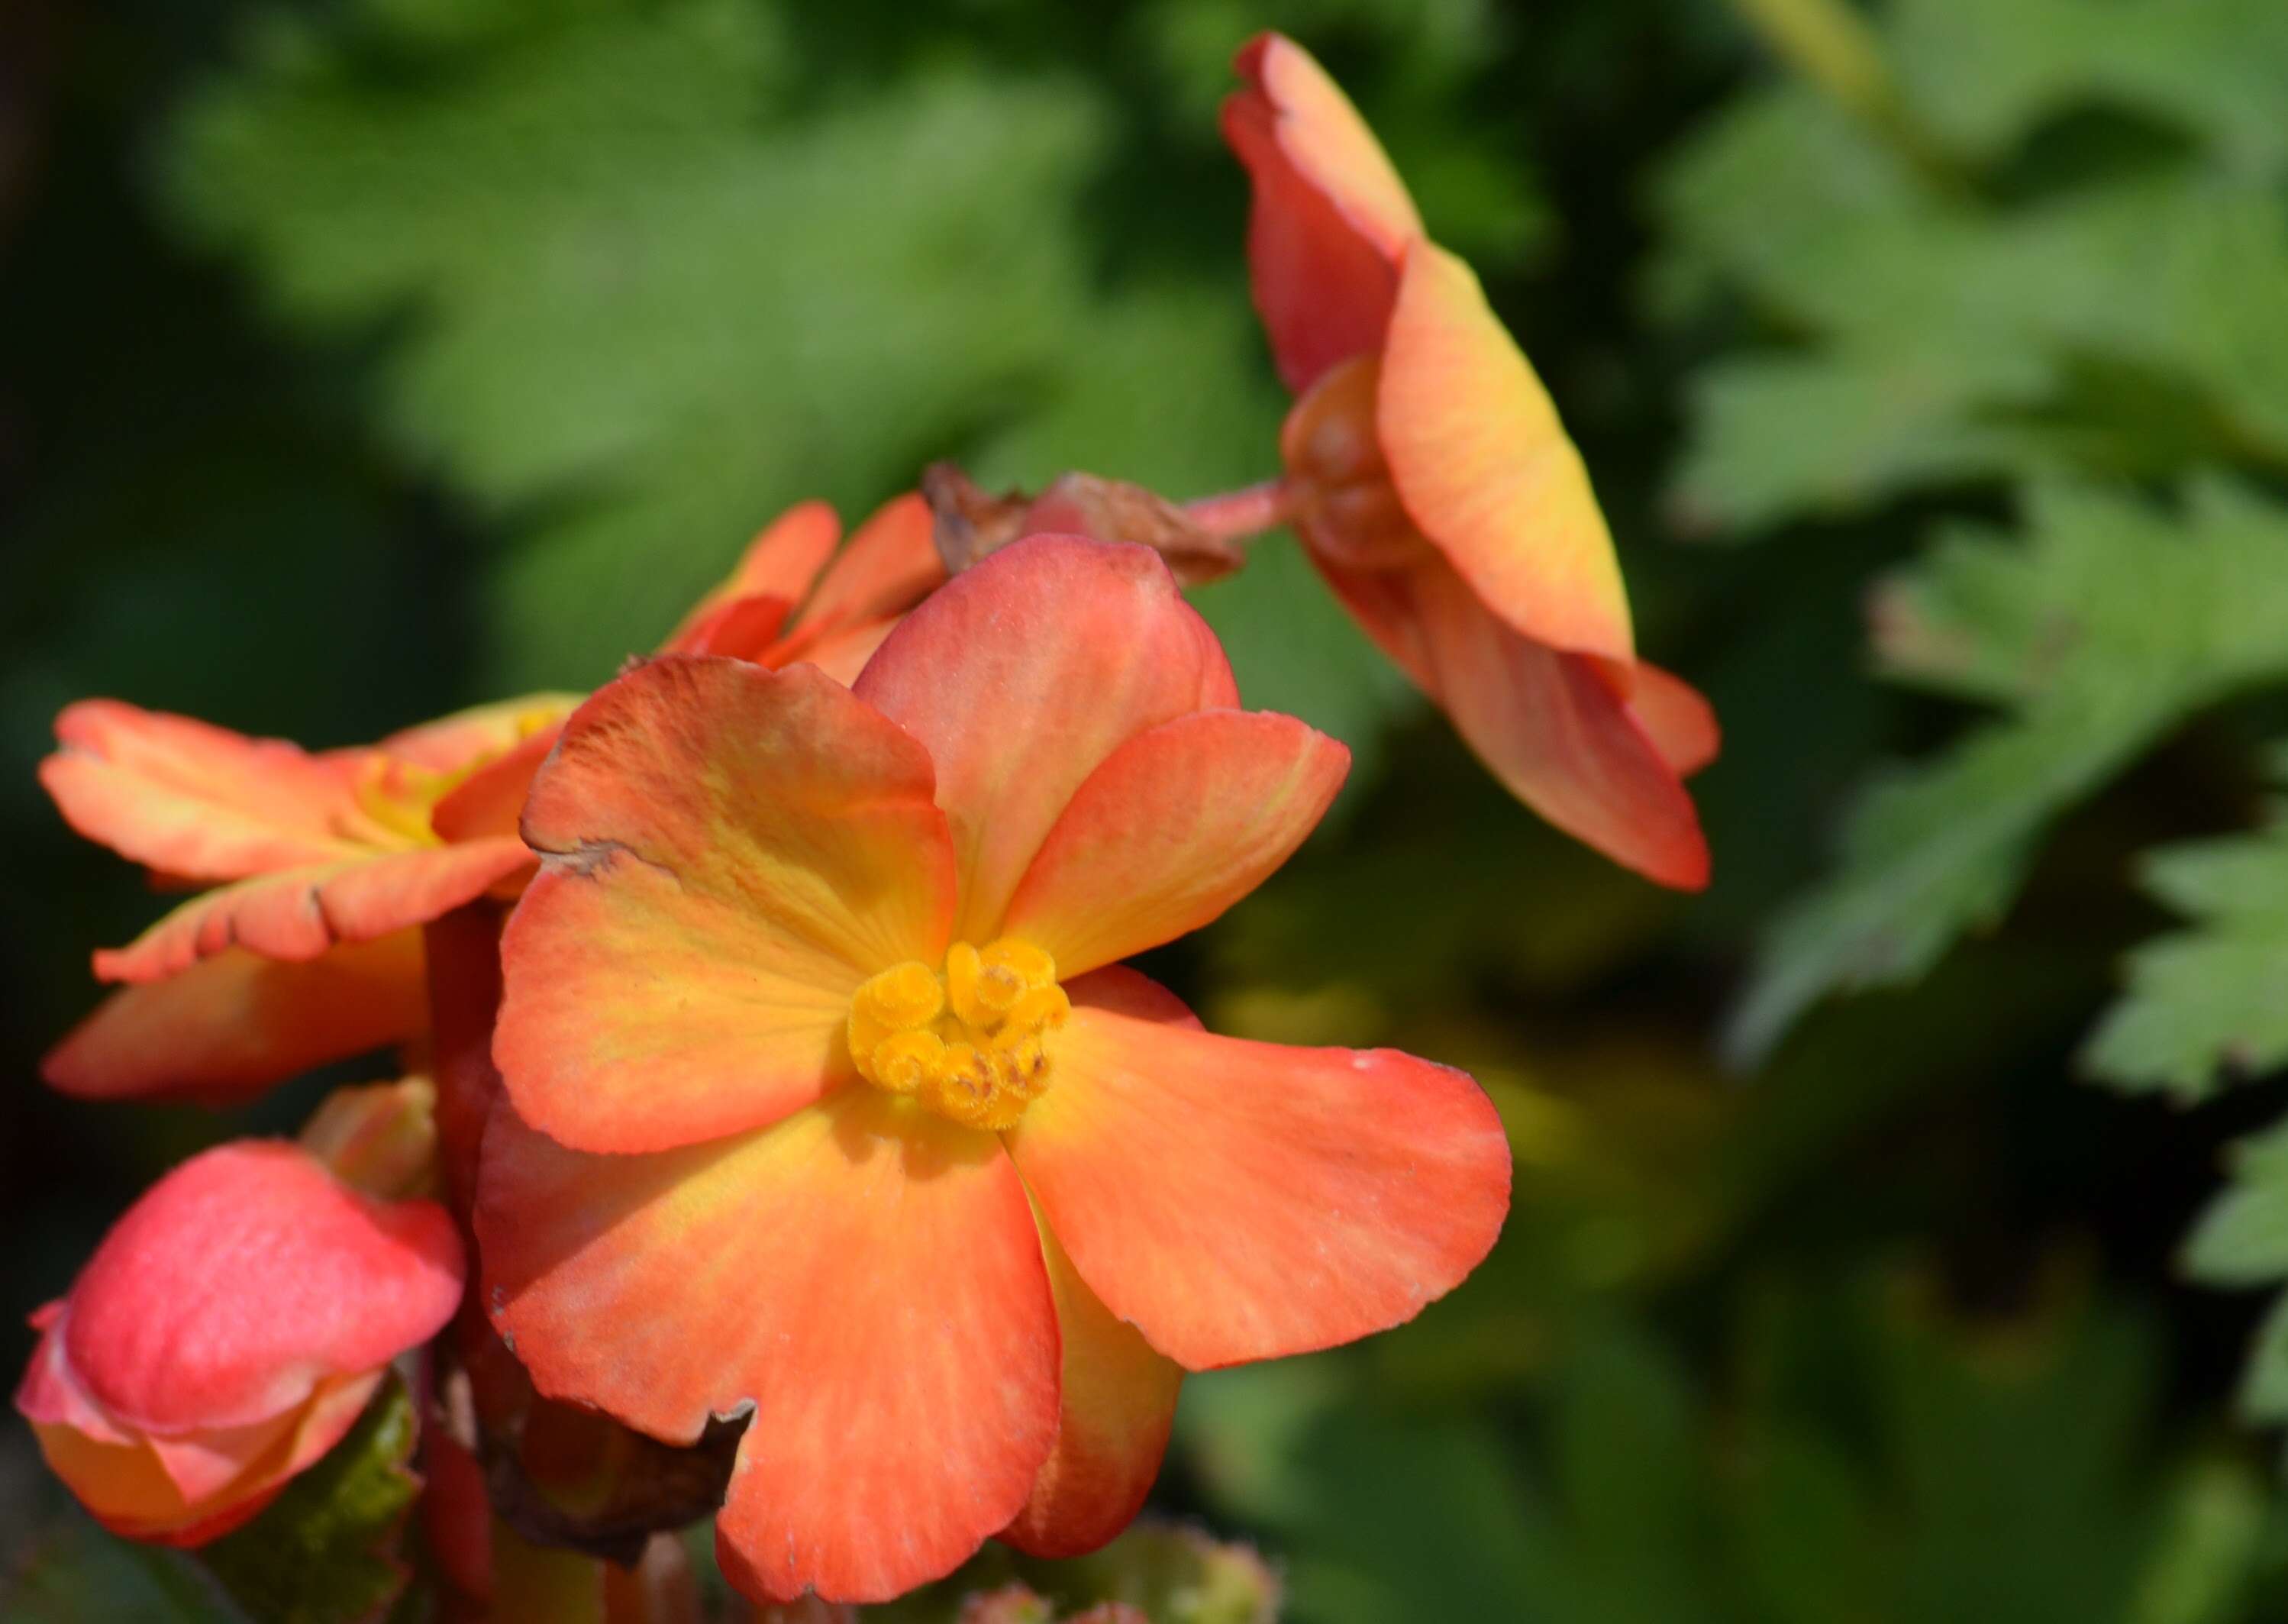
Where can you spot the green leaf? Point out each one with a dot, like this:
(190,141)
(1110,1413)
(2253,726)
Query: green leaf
(2110,623)
(325,1551)
(2242,1239)
(73,1572)
(1173,1575)
(2210,1002)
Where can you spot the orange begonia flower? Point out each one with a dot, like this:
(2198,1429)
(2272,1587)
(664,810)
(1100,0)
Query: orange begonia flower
(827,1098)
(1436,490)
(327,862)
(226,1333)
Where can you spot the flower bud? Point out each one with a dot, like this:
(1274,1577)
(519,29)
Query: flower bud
(226,1333)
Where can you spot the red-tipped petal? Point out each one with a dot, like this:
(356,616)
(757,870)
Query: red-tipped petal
(1485,469)
(1677,717)
(1117,1404)
(1237,1200)
(1330,217)
(1021,675)
(300,913)
(731,851)
(778,566)
(243,1278)
(1172,828)
(890,565)
(866,1277)
(1547,725)
(199,801)
(229,1027)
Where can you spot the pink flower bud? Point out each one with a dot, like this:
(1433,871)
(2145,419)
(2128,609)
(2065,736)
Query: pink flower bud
(226,1333)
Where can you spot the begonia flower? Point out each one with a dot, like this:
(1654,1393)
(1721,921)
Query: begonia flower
(829,1101)
(226,1333)
(327,862)
(1435,490)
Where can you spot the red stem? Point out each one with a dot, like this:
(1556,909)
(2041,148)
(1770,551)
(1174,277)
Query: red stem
(1249,511)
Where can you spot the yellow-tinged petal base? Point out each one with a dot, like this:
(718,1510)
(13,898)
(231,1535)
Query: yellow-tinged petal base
(969,1042)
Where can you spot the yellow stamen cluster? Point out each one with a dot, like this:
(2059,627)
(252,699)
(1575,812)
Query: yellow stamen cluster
(970,1043)
(1346,506)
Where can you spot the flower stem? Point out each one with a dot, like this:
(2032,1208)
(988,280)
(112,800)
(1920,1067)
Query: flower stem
(1249,511)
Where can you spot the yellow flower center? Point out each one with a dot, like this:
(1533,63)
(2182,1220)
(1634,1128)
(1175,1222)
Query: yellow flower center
(1346,508)
(969,1042)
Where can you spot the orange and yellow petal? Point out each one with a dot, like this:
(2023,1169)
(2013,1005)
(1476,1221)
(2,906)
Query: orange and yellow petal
(1547,725)
(1118,1402)
(1330,219)
(731,852)
(1021,675)
(1676,716)
(481,733)
(197,801)
(841,654)
(863,1278)
(300,913)
(1485,469)
(890,565)
(1172,828)
(233,1024)
(1237,1200)
(778,566)
(490,800)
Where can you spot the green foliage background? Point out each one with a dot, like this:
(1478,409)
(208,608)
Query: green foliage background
(368,358)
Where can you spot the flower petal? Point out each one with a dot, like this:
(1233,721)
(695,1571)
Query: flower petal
(1330,217)
(1485,469)
(866,1277)
(483,732)
(197,801)
(1023,674)
(1117,1404)
(227,1028)
(1237,1200)
(1547,725)
(890,565)
(302,912)
(1172,828)
(730,852)
(1677,717)
(244,1277)
(490,800)
(778,566)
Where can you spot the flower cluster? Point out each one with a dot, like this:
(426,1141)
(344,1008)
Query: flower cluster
(784,1136)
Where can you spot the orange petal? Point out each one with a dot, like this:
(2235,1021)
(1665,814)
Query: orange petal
(462,950)
(198,801)
(1677,717)
(479,733)
(1547,725)
(490,800)
(778,565)
(1118,1401)
(1176,825)
(1484,467)
(842,654)
(1023,674)
(866,1277)
(1238,1200)
(890,565)
(731,851)
(227,1028)
(1330,217)
(303,912)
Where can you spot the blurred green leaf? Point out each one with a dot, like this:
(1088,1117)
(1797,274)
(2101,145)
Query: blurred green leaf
(2210,1002)
(325,1551)
(2109,625)
(73,1572)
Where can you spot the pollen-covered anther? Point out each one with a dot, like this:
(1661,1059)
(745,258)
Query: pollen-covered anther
(1345,503)
(971,1044)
